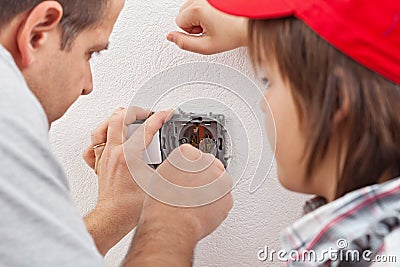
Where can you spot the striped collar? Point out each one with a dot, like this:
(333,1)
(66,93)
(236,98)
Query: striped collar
(348,218)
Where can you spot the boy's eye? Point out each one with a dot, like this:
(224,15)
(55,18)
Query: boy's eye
(266,83)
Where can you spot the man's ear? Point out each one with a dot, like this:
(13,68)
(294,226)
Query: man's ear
(34,32)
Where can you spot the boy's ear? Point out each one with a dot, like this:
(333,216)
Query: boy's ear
(34,31)
(342,99)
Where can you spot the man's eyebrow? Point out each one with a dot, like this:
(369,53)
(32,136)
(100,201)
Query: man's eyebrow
(100,47)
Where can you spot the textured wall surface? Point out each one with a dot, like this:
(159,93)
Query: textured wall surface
(139,50)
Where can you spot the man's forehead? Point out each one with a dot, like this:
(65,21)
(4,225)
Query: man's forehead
(97,38)
(106,25)
(113,9)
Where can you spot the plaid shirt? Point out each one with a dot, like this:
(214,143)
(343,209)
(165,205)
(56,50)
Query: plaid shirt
(361,228)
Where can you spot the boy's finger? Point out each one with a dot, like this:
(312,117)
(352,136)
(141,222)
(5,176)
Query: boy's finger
(188,19)
(143,136)
(193,30)
(196,44)
(186,5)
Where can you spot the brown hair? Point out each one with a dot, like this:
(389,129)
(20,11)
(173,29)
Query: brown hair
(78,15)
(321,78)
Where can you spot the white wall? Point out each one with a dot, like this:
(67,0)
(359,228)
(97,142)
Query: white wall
(138,51)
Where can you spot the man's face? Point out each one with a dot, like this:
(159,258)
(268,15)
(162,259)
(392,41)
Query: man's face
(59,77)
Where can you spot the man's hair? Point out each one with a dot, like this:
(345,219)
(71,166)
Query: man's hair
(321,78)
(78,15)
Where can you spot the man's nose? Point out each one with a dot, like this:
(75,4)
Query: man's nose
(87,81)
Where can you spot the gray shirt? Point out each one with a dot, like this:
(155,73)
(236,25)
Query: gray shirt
(39,224)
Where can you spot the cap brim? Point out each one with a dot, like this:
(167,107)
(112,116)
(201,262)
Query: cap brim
(254,9)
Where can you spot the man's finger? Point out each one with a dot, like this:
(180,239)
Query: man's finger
(97,152)
(117,124)
(115,128)
(143,135)
(89,157)
(132,115)
(99,135)
(136,113)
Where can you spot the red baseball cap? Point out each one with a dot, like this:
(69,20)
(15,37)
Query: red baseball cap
(368,31)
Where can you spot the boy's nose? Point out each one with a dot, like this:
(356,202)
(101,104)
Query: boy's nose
(263,105)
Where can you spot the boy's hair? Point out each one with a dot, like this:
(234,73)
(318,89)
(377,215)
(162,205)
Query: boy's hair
(321,78)
(78,15)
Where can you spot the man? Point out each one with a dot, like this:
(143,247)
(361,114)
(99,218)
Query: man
(45,54)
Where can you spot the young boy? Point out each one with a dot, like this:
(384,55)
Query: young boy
(333,70)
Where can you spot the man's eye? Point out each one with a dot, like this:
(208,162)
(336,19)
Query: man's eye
(90,54)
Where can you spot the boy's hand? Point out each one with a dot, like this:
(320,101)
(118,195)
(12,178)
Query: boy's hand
(120,199)
(167,235)
(219,32)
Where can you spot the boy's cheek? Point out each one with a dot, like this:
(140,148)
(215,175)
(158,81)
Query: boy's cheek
(288,182)
(283,179)
(270,127)
(264,103)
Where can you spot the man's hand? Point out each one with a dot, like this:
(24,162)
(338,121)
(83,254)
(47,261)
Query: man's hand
(120,199)
(208,31)
(166,234)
